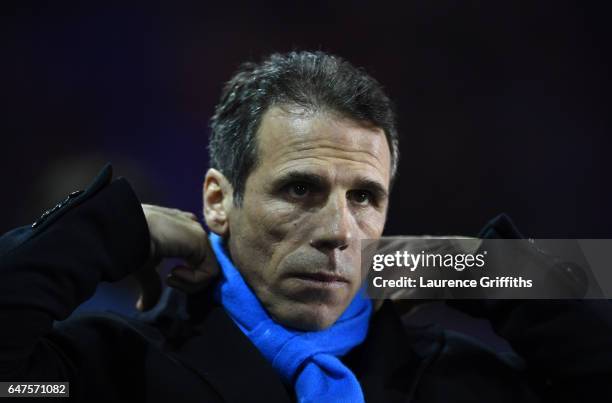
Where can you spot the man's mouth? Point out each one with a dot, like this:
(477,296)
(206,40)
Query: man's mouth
(323,279)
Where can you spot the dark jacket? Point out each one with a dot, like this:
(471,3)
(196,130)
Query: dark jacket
(188,350)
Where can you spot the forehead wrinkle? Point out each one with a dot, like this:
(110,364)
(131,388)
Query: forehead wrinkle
(285,139)
(304,161)
(359,137)
(334,145)
(354,156)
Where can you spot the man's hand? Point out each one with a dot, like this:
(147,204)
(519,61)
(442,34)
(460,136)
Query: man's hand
(177,234)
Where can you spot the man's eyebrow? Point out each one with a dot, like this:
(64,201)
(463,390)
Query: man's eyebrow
(373,186)
(298,176)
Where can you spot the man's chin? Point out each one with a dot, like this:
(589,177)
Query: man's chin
(307,317)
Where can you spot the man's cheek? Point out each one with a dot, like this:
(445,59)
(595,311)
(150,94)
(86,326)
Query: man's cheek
(371,226)
(280,220)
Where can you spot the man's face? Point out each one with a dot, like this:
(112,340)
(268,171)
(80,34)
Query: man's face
(320,185)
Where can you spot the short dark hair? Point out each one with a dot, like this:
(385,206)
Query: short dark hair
(312,80)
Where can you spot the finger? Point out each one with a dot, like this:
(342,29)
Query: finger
(185,239)
(171,211)
(202,275)
(185,286)
(191,216)
(209,264)
(150,286)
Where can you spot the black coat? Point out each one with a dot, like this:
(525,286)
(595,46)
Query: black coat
(188,350)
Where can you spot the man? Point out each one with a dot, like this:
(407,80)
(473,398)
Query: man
(303,153)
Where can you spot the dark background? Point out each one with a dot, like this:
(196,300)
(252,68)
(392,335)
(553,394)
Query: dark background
(503,106)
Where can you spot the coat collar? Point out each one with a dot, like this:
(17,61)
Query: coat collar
(388,364)
(202,337)
(392,359)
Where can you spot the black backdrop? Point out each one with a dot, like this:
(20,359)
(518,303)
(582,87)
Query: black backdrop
(503,106)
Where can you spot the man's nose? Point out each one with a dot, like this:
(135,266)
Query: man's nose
(335,225)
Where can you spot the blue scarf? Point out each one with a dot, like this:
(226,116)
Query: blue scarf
(308,360)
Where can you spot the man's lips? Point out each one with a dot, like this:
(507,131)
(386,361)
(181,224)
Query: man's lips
(322,277)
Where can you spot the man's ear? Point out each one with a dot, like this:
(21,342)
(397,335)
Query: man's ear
(218,201)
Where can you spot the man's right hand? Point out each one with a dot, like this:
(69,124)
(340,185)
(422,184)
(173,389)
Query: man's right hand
(175,234)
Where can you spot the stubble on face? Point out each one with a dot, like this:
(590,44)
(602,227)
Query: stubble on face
(319,186)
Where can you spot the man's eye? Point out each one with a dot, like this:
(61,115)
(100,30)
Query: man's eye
(361,197)
(298,190)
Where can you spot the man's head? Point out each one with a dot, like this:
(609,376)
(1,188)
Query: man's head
(303,150)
